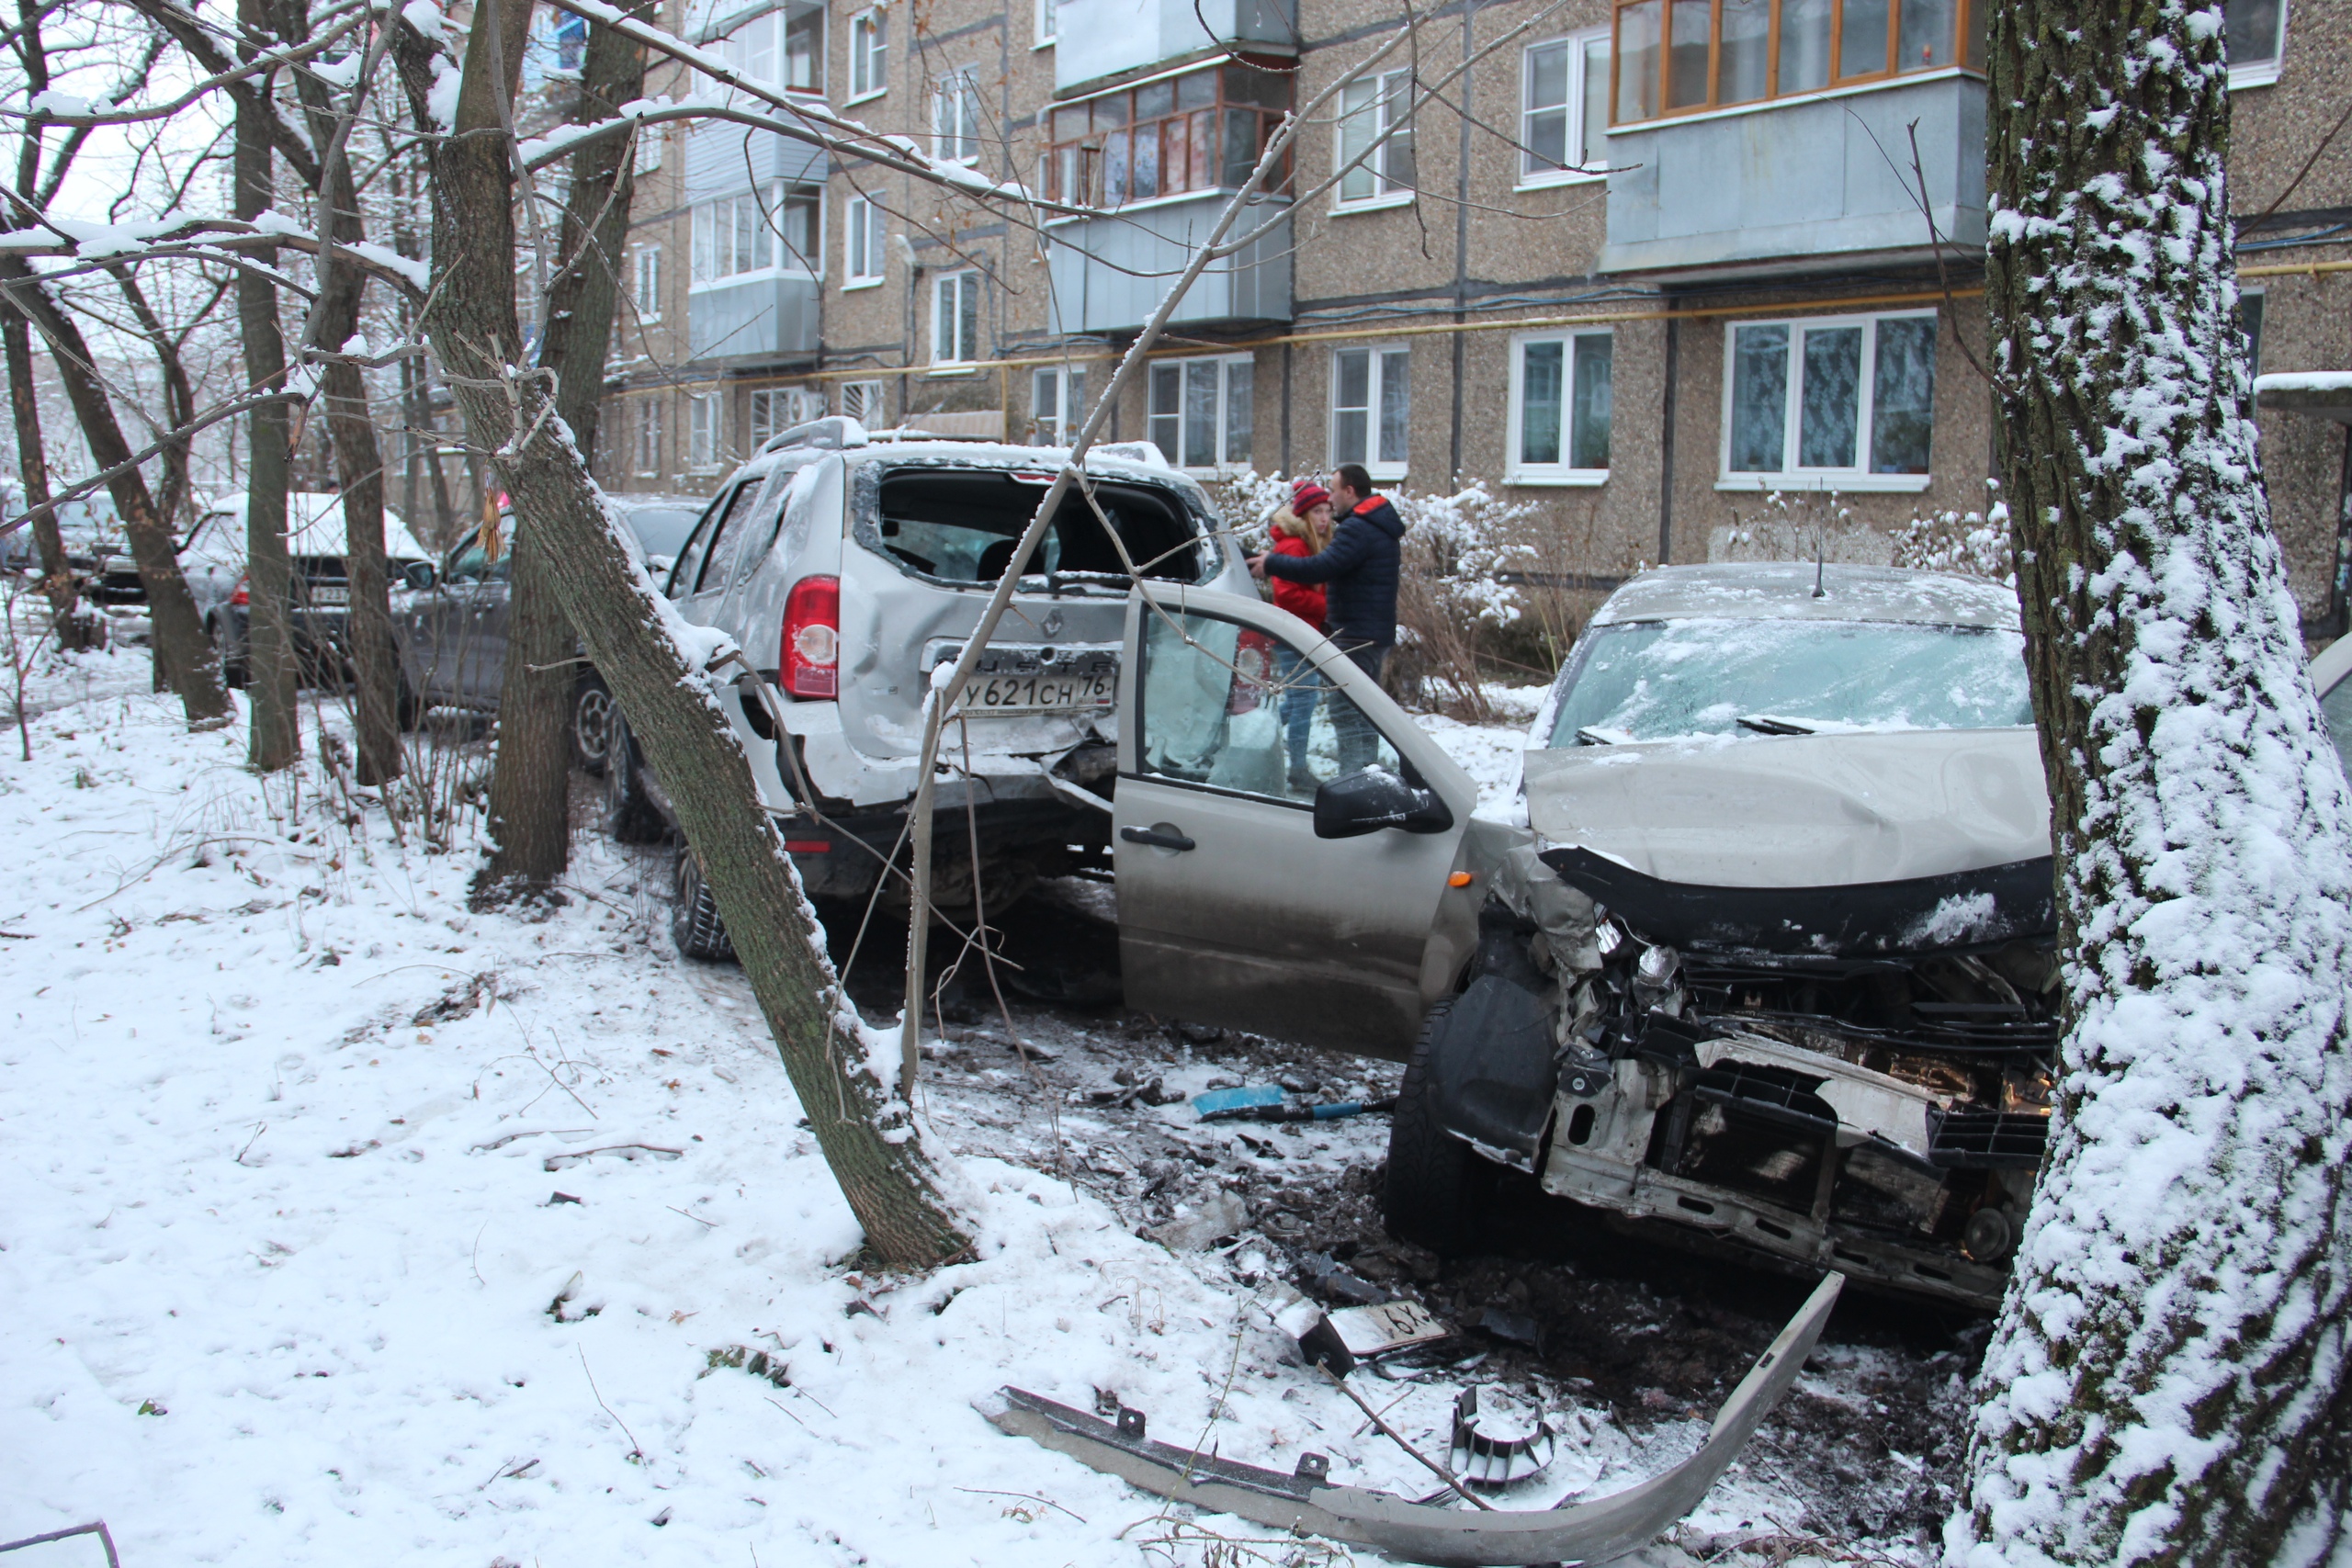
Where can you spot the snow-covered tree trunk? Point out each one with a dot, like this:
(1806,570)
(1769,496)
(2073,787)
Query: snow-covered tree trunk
(274,739)
(2166,1383)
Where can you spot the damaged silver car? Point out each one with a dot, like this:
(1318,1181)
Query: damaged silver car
(1778,966)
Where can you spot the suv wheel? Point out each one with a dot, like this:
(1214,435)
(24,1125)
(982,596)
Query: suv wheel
(1437,1188)
(630,814)
(408,709)
(694,924)
(592,723)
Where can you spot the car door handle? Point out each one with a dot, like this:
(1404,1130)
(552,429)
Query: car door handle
(1156,838)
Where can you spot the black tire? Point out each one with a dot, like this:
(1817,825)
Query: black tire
(231,653)
(408,709)
(1437,1189)
(694,924)
(630,815)
(591,724)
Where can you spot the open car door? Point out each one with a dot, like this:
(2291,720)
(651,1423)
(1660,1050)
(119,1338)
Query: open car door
(1246,743)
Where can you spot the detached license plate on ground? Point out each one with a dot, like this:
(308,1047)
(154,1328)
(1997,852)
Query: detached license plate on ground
(1019,681)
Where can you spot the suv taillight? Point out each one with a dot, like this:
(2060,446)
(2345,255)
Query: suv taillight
(243,593)
(812,638)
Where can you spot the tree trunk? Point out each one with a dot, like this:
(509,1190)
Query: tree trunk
(182,652)
(2165,1383)
(529,794)
(275,740)
(32,462)
(359,459)
(866,1131)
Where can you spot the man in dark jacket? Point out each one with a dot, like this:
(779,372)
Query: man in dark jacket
(1360,567)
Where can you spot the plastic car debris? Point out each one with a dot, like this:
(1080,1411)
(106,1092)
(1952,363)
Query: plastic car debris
(1230,1099)
(1308,1501)
(1330,1112)
(1489,1462)
(1351,1335)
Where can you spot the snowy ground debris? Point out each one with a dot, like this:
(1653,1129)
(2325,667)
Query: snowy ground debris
(339,1224)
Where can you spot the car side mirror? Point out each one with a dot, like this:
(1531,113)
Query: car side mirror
(1365,802)
(419,576)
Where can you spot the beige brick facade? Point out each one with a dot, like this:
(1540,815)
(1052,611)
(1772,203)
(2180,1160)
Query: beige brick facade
(1437,281)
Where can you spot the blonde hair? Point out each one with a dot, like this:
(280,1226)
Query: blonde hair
(1285,521)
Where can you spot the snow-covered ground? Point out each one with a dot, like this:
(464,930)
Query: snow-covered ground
(339,1224)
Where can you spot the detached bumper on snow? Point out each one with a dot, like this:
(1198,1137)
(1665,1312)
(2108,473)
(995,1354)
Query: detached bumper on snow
(1306,1502)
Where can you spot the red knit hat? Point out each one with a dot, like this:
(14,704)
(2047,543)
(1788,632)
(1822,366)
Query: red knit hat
(1307,496)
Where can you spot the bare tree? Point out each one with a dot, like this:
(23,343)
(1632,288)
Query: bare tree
(529,792)
(2166,1381)
(274,739)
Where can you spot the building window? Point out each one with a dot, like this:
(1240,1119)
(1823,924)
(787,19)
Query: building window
(955,318)
(2258,37)
(1201,410)
(865,402)
(1058,403)
(864,243)
(757,231)
(955,120)
(869,54)
(2250,323)
(1372,408)
(1201,131)
(784,47)
(1849,399)
(1048,24)
(1368,107)
(1677,56)
(1560,408)
(702,432)
(774,410)
(648,441)
(648,149)
(1564,108)
(646,286)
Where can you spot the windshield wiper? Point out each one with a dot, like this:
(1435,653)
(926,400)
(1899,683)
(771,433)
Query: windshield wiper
(1597,736)
(1769,724)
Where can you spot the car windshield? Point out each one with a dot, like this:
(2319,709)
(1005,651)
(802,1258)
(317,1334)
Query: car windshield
(662,529)
(1660,680)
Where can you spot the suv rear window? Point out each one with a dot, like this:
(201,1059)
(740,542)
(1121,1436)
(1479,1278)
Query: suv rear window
(959,527)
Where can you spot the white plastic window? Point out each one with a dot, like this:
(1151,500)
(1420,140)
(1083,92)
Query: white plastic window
(1564,108)
(646,285)
(955,120)
(2258,37)
(1372,408)
(1368,107)
(1057,403)
(1560,397)
(954,318)
(1201,412)
(702,431)
(1838,400)
(864,241)
(869,54)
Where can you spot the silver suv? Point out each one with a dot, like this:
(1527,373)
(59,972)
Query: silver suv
(848,567)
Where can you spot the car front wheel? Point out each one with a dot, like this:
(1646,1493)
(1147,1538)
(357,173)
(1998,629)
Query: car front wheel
(630,814)
(1437,1189)
(694,924)
(592,723)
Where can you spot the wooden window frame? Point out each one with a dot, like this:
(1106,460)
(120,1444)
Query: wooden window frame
(1073,167)
(1965,12)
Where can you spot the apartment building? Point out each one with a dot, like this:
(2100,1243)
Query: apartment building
(1660,269)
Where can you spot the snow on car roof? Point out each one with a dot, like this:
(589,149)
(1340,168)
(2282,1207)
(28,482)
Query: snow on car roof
(314,526)
(1784,590)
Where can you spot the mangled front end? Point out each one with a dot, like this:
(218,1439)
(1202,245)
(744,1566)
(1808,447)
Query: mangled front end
(1850,1074)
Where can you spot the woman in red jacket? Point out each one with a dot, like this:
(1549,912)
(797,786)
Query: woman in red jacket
(1302,529)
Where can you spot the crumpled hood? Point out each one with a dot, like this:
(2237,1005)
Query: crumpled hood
(1799,811)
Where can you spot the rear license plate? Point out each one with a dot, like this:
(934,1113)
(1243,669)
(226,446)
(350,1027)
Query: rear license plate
(324,595)
(1034,681)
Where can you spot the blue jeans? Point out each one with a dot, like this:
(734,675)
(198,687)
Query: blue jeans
(1301,687)
(1359,742)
